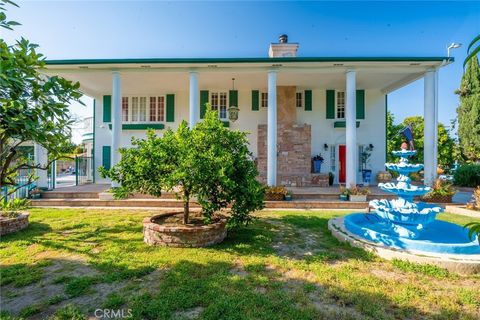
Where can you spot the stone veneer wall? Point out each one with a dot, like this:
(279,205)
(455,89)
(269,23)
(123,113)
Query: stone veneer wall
(294,143)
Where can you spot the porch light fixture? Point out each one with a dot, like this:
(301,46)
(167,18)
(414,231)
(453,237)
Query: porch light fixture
(325,146)
(233,110)
(370,146)
(453,46)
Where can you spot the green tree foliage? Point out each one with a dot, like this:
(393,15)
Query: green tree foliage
(33,106)
(468,112)
(394,139)
(209,162)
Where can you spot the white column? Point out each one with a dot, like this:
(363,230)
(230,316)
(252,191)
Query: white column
(272,129)
(435,150)
(430,126)
(194,100)
(351,128)
(41,159)
(116,119)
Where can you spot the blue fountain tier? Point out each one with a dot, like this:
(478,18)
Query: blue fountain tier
(404,167)
(440,237)
(406,212)
(404,153)
(404,189)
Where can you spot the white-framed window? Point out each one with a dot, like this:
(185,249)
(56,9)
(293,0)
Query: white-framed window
(264,99)
(340,105)
(125,109)
(219,103)
(138,109)
(360,153)
(157,109)
(299,99)
(333,155)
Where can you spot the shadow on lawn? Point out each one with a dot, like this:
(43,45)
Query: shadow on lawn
(31,234)
(214,290)
(303,238)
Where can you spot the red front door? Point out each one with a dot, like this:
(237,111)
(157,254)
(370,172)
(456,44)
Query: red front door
(342,170)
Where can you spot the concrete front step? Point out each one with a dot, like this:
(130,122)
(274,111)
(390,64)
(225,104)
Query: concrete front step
(335,197)
(69,195)
(171,203)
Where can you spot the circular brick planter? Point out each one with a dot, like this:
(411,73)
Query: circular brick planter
(10,225)
(180,235)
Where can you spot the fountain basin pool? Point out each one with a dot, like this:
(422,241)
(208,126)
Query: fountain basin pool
(438,237)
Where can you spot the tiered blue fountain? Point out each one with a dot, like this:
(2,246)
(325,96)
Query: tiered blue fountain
(405,224)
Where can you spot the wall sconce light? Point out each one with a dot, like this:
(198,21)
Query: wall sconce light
(370,146)
(325,146)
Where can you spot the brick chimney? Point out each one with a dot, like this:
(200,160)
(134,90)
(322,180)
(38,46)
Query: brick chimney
(283,48)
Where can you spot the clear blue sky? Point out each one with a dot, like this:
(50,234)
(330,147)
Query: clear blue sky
(95,29)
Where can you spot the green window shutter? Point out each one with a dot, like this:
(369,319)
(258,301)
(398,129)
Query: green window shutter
(170,107)
(308,100)
(106,154)
(360,104)
(203,101)
(107,108)
(330,104)
(255,100)
(233,97)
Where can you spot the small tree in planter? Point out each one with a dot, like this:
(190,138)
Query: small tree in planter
(209,162)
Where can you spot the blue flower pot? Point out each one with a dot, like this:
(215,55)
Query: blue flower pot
(317,166)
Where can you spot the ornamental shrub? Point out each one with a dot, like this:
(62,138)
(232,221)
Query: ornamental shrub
(467,175)
(209,162)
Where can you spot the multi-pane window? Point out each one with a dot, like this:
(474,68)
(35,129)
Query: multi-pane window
(125,109)
(143,109)
(332,158)
(340,105)
(218,101)
(299,100)
(157,108)
(135,109)
(264,99)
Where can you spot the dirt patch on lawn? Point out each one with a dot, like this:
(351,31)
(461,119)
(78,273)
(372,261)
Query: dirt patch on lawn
(192,313)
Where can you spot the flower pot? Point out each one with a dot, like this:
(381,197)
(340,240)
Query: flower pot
(317,166)
(274,197)
(438,199)
(288,197)
(343,197)
(384,176)
(358,198)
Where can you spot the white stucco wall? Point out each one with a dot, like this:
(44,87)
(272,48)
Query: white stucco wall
(371,130)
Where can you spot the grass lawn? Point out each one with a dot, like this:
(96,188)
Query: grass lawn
(70,262)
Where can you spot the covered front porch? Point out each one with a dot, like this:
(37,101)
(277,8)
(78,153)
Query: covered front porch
(277,79)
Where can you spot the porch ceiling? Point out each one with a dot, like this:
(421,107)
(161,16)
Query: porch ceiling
(141,78)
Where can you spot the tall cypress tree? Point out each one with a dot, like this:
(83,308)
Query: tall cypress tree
(468,111)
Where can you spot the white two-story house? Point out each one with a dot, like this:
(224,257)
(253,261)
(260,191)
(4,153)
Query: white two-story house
(293,107)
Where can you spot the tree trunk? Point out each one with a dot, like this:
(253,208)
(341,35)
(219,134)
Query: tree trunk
(186,207)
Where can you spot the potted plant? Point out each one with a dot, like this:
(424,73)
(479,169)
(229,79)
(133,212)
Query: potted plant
(364,159)
(35,193)
(288,196)
(331,178)
(344,193)
(207,163)
(442,192)
(358,194)
(317,163)
(277,193)
(13,216)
